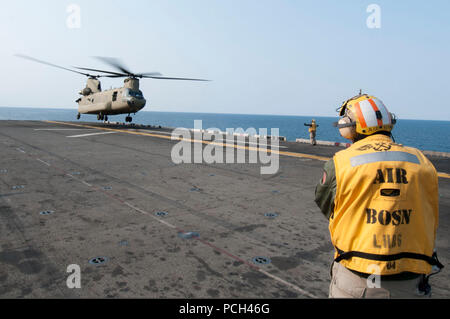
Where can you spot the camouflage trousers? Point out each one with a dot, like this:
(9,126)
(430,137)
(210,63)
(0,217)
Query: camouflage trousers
(346,284)
(312,137)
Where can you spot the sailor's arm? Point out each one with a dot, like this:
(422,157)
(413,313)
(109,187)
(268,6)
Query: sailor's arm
(326,189)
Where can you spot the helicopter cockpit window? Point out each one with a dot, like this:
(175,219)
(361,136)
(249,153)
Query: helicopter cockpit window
(136,94)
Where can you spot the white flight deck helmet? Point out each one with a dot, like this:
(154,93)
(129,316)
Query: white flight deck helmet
(364,115)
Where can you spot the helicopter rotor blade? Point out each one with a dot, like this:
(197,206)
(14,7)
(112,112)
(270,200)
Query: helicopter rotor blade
(96,70)
(167,78)
(148,74)
(120,75)
(115,63)
(53,65)
(109,74)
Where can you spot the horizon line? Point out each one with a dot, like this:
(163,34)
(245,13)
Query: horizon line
(262,114)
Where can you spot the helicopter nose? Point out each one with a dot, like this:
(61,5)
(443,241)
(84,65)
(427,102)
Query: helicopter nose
(142,104)
(136,103)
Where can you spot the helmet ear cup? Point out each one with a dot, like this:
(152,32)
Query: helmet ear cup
(393,119)
(348,132)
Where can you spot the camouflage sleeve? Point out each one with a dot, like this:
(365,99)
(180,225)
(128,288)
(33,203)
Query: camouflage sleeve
(326,189)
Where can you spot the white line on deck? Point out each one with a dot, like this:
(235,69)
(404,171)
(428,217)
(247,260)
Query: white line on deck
(20,150)
(146,213)
(92,134)
(159,132)
(86,183)
(62,129)
(238,142)
(303,292)
(80,180)
(43,161)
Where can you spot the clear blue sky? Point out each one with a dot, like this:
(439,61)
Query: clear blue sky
(287,57)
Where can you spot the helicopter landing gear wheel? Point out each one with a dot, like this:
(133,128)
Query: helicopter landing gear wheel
(128,119)
(78,116)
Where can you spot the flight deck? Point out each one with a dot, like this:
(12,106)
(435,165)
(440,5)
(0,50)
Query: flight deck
(109,199)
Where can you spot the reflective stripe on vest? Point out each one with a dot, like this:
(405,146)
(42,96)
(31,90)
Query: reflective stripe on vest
(384,157)
(386,208)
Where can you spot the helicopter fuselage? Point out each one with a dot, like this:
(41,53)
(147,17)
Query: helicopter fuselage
(112,102)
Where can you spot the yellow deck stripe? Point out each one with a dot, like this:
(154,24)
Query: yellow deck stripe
(444,175)
(291,154)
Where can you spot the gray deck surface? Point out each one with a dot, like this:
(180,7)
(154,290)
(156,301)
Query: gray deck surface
(105,191)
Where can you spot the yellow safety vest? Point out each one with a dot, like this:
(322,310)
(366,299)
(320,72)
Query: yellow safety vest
(386,208)
(313,127)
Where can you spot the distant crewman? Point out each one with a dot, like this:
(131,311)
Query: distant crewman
(381,199)
(312,131)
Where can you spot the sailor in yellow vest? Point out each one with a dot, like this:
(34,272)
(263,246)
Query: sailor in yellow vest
(381,199)
(312,131)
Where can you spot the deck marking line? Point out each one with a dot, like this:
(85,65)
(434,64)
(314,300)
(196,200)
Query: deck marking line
(62,129)
(444,175)
(44,162)
(249,143)
(92,134)
(303,292)
(147,213)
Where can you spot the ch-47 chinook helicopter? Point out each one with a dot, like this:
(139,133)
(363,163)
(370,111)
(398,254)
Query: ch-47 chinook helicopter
(125,100)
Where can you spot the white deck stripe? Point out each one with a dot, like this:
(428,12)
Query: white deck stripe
(86,183)
(303,292)
(43,162)
(62,129)
(92,134)
(249,143)
(147,213)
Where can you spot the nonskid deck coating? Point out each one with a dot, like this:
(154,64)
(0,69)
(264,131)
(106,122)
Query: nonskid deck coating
(105,191)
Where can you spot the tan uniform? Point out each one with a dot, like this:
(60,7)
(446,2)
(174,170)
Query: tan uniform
(346,284)
(312,132)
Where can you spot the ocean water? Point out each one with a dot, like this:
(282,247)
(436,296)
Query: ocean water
(425,135)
